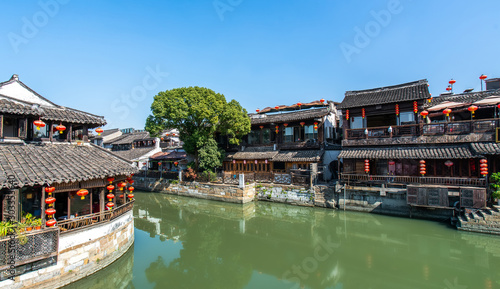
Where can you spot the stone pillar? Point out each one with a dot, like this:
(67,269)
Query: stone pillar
(241,183)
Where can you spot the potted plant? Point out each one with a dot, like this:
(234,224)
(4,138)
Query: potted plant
(37,223)
(28,221)
(6,228)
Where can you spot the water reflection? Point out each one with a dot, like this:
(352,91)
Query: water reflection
(118,275)
(191,243)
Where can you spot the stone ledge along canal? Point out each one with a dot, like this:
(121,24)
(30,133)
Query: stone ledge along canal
(183,242)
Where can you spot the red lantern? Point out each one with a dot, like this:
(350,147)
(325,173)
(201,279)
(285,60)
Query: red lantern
(299,104)
(447,112)
(322,101)
(51,223)
(82,193)
(50,200)
(130,197)
(39,124)
(483,165)
(285,124)
(415,107)
(277,107)
(261,126)
(257,110)
(483,161)
(347,114)
(498,106)
(422,162)
(110,197)
(483,77)
(448,163)
(121,185)
(110,205)
(110,188)
(60,128)
(110,179)
(303,123)
(131,189)
(50,212)
(99,131)
(121,196)
(397,109)
(176,163)
(131,182)
(50,190)
(448,88)
(277,129)
(472,109)
(391,163)
(424,113)
(363,113)
(452,81)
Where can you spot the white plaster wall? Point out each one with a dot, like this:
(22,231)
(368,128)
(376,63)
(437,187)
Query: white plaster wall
(328,157)
(76,238)
(17,91)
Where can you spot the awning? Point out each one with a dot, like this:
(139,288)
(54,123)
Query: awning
(490,100)
(446,104)
(437,152)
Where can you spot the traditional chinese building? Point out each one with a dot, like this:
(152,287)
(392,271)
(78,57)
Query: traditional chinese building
(286,142)
(58,191)
(440,150)
(134,146)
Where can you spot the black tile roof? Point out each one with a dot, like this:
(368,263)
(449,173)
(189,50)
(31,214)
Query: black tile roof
(486,148)
(289,116)
(57,113)
(299,156)
(133,154)
(411,91)
(462,97)
(169,156)
(46,163)
(129,138)
(436,152)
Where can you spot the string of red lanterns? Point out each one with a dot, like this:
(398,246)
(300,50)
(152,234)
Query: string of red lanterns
(347,114)
(315,126)
(363,114)
(397,109)
(484,167)
(423,170)
(367,166)
(50,211)
(415,107)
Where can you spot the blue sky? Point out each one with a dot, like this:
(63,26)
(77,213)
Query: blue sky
(111,57)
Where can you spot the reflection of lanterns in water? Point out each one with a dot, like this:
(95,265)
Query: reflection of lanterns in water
(369,261)
(426,272)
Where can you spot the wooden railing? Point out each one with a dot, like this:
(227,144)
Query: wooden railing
(441,128)
(446,181)
(93,219)
(17,250)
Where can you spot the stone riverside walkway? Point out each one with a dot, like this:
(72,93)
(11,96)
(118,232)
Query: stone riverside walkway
(481,221)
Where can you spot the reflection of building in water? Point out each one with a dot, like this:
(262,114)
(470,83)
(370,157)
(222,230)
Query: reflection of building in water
(310,247)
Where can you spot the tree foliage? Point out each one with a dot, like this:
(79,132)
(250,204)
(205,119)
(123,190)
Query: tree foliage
(199,113)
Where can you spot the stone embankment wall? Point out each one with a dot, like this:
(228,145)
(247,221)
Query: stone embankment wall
(387,201)
(217,192)
(81,253)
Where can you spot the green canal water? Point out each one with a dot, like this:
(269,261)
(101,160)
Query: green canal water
(190,243)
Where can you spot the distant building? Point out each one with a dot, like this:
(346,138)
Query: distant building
(288,140)
(105,137)
(134,146)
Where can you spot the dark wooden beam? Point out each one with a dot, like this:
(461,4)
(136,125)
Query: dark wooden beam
(51,132)
(1,126)
(42,209)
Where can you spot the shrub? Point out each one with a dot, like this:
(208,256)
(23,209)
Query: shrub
(208,176)
(190,174)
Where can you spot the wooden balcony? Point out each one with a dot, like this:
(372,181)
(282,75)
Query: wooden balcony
(478,130)
(94,219)
(406,180)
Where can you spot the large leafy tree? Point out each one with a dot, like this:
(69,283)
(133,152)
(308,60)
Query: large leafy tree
(199,113)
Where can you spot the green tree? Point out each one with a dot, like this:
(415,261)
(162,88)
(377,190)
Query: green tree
(199,113)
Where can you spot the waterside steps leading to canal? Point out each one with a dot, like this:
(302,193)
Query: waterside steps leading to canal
(482,221)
